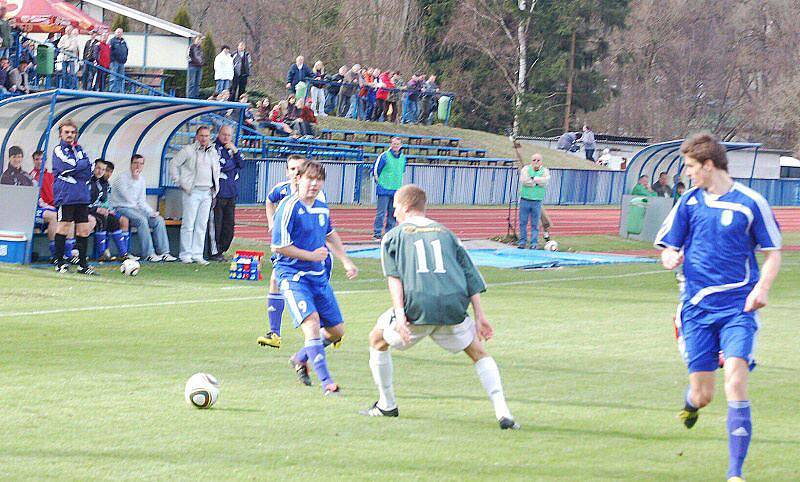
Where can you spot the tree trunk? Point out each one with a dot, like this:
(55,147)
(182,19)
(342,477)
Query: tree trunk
(522,51)
(570,79)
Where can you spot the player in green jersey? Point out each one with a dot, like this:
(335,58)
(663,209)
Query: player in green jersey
(431,282)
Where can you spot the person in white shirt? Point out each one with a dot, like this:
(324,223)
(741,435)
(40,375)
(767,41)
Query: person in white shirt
(129,199)
(195,169)
(223,69)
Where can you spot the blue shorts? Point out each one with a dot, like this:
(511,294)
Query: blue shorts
(328,263)
(306,294)
(39,218)
(703,334)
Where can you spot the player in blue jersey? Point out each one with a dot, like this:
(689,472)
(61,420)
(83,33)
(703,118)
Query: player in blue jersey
(302,231)
(715,230)
(275,301)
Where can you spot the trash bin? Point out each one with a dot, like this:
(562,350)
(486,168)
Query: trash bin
(444,106)
(45,59)
(636,212)
(300,91)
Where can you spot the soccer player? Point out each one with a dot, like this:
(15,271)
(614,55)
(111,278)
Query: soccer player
(431,282)
(106,222)
(275,301)
(714,230)
(72,170)
(303,228)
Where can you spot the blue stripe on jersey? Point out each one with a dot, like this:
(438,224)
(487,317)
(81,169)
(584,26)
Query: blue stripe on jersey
(305,227)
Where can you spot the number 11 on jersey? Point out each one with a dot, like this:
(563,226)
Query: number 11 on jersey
(422,259)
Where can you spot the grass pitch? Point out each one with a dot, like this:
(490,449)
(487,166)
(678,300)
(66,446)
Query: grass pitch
(93,370)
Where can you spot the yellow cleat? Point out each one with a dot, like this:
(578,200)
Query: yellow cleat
(688,418)
(736,479)
(338,343)
(270,339)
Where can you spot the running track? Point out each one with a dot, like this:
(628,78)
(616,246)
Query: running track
(355,224)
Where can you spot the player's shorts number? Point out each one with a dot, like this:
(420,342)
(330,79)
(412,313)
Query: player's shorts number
(422,259)
(302,306)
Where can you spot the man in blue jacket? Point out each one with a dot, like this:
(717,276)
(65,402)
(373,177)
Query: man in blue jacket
(119,56)
(221,223)
(298,72)
(72,170)
(388,173)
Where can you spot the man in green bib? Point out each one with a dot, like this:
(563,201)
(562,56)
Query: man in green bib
(533,180)
(388,173)
(642,188)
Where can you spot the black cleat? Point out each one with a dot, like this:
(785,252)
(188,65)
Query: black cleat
(508,424)
(376,411)
(62,268)
(301,370)
(688,417)
(74,260)
(87,270)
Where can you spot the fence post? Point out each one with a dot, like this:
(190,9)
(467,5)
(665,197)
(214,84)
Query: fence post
(560,185)
(611,188)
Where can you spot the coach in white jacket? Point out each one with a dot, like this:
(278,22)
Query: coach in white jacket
(195,169)
(223,70)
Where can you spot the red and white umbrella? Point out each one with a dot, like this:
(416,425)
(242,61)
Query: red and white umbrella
(46,16)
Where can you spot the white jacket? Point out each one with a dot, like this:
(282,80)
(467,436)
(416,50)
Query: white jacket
(223,67)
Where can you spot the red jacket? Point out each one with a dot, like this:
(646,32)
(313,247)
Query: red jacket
(104,57)
(386,80)
(47,186)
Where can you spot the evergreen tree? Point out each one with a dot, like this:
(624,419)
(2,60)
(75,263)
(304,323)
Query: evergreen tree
(209,52)
(120,21)
(178,80)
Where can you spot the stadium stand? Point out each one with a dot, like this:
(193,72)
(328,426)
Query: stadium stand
(371,136)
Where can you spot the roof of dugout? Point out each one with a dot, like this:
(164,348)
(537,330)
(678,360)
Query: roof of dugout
(111,126)
(666,157)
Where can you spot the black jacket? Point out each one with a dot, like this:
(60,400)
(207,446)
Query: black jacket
(196,55)
(242,64)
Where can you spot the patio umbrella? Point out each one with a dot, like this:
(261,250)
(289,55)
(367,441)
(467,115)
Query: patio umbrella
(46,16)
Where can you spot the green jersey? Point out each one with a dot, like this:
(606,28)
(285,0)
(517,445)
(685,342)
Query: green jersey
(437,274)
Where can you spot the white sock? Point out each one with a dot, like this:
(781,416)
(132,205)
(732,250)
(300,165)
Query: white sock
(380,362)
(489,375)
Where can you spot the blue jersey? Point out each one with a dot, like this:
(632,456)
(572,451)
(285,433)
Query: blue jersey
(72,170)
(306,227)
(284,189)
(719,236)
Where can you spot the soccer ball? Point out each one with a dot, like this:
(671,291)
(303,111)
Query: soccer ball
(129,267)
(202,390)
(551,246)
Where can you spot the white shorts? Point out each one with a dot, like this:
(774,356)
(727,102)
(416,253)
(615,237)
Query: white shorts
(453,338)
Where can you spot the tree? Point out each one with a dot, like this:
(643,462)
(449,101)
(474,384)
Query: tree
(209,52)
(120,21)
(178,80)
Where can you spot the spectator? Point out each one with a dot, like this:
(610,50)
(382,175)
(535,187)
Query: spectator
(384,82)
(680,188)
(277,119)
(428,100)
(662,187)
(17,82)
(5,32)
(293,111)
(119,56)
(129,199)
(242,66)
(103,56)
(222,219)
(364,83)
(642,188)
(4,70)
(410,100)
(249,113)
(14,175)
(195,169)
(122,235)
(99,214)
(298,72)
(194,72)
(304,125)
(89,61)
(72,170)
(348,92)
(68,55)
(567,142)
(388,174)
(533,180)
(29,52)
(390,112)
(605,157)
(372,92)
(223,70)
(46,210)
(333,90)
(318,89)
(589,144)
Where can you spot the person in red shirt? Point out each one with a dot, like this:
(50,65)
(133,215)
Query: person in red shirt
(382,96)
(102,55)
(45,211)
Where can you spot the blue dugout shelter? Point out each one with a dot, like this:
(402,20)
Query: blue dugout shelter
(111,126)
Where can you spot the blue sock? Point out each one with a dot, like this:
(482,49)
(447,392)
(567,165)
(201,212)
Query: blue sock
(68,247)
(316,353)
(100,243)
(275,304)
(120,242)
(301,356)
(126,241)
(740,429)
(52,246)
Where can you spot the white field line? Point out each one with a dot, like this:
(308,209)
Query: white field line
(80,309)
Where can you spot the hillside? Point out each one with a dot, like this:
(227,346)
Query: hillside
(495,145)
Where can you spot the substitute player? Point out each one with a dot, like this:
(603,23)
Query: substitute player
(714,230)
(431,282)
(303,227)
(72,170)
(275,301)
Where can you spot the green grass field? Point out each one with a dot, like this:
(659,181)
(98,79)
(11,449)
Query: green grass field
(93,371)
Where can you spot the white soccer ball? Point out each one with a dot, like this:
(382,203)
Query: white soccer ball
(129,267)
(202,390)
(551,245)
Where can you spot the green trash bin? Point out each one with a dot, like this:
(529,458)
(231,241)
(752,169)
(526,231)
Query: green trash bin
(45,59)
(300,90)
(636,212)
(444,104)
